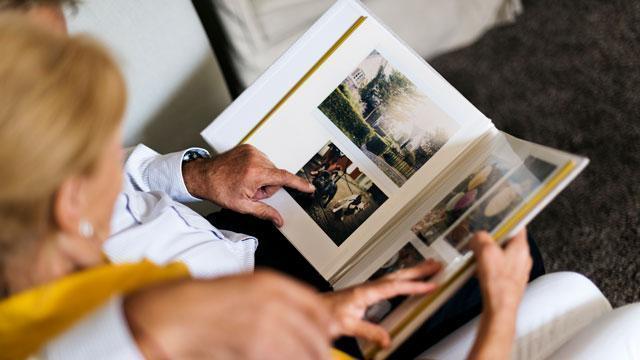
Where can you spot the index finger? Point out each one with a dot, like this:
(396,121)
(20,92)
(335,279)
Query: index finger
(386,289)
(281,177)
(422,270)
(479,240)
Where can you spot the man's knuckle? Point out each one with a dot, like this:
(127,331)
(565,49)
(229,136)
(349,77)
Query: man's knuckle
(252,171)
(285,175)
(263,211)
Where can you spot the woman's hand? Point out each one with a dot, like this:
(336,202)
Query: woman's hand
(248,316)
(348,306)
(503,276)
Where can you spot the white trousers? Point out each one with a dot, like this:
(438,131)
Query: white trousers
(562,316)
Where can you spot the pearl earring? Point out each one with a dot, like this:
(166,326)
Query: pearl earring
(86,229)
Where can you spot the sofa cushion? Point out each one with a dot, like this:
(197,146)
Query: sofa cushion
(260,30)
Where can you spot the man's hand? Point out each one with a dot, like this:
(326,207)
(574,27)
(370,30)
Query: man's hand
(260,316)
(348,306)
(239,179)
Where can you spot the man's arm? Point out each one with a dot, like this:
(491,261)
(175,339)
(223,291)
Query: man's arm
(146,170)
(238,179)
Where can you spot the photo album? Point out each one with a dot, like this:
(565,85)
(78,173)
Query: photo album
(405,169)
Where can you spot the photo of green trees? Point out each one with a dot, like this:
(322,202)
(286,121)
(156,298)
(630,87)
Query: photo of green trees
(383,113)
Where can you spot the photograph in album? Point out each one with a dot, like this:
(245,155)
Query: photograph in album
(344,197)
(406,257)
(459,200)
(385,115)
(404,168)
(510,193)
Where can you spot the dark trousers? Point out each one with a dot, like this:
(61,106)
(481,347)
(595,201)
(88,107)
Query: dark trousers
(276,252)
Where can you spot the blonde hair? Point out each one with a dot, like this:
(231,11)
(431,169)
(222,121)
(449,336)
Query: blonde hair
(61,100)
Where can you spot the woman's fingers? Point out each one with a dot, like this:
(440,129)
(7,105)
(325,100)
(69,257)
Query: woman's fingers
(480,240)
(420,271)
(373,292)
(518,244)
(517,252)
(401,282)
(372,332)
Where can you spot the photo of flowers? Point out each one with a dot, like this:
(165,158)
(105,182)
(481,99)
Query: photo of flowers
(344,197)
(385,115)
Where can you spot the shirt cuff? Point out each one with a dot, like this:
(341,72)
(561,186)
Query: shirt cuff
(150,171)
(104,334)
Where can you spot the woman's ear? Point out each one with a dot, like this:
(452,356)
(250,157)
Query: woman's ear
(68,206)
(74,240)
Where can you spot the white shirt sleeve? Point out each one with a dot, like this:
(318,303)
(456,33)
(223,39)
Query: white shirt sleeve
(104,334)
(147,170)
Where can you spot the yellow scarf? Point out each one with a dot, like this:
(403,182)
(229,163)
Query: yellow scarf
(28,320)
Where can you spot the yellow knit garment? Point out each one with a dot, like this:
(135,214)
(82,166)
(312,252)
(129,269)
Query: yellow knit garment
(29,319)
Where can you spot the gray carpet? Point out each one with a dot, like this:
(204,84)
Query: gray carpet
(567,74)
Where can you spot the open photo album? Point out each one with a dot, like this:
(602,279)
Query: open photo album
(404,167)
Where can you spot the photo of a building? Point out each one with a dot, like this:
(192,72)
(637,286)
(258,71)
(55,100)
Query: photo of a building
(383,113)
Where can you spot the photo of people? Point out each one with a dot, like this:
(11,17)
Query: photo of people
(406,257)
(460,199)
(344,197)
(384,114)
(503,200)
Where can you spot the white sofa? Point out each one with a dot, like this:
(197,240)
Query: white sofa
(260,30)
(174,83)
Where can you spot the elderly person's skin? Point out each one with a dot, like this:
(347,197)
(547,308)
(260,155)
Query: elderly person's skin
(239,179)
(77,125)
(274,314)
(503,276)
(289,320)
(235,180)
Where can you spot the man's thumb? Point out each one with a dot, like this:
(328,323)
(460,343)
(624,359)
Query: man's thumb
(265,212)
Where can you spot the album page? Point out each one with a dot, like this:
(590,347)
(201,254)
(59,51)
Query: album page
(370,128)
(499,189)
